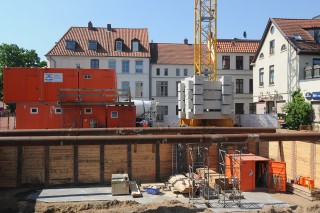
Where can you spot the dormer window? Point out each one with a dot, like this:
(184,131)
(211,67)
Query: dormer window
(93,45)
(119,45)
(261,55)
(70,45)
(135,45)
(284,47)
(297,37)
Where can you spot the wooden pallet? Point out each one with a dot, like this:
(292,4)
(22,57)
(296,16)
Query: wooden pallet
(304,192)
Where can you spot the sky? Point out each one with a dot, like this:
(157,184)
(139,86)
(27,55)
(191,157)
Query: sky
(38,24)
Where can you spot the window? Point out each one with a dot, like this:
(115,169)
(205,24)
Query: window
(58,110)
(177,72)
(125,67)
(261,55)
(70,45)
(239,62)
(316,61)
(87,110)
(284,47)
(239,85)
(139,66)
(158,72)
(250,86)
(272,30)
(161,112)
(139,89)
(112,64)
(125,85)
(162,88)
(119,44)
(185,72)
(252,108)
(87,76)
(94,64)
(165,71)
(177,110)
(34,110)
(250,62)
(271,74)
(239,108)
(93,45)
(114,114)
(272,44)
(225,62)
(261,76)
(135,46)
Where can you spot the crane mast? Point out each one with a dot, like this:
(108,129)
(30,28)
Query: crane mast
(205,38)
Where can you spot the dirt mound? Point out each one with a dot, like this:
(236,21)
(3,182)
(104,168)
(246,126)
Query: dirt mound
(313,209)
(276,209)
(113,206)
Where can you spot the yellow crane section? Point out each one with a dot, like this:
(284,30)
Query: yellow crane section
(205,38)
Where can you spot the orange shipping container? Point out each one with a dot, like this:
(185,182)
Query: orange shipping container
(44,85)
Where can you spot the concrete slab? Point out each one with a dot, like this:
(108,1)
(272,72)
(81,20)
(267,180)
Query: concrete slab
(252,201)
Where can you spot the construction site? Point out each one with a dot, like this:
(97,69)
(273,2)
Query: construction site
(80,144)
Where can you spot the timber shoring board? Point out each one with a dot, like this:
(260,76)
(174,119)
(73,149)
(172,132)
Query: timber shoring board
(89,164)
(165,161)
(8,166)
(143,163)
(61,165)
(303,192)
(115,161)
(33,164)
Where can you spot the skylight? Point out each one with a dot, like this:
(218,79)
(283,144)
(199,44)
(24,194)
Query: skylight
(70,45)
(297,37)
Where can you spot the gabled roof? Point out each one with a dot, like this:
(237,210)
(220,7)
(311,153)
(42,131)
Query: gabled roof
(166,53)
(106,42)
(289,27)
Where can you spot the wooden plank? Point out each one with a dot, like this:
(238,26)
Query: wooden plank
(165,161)
(33,165)
(19,166)
(157,162)
(75,164)
(115,161)
(8,166)
(101,164)
(89,164)
(47,165)
(143,164)
(61,165)
(135,192)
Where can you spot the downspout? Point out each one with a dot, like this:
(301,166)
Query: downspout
(54,62)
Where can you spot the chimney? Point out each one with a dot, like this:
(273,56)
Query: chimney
(90,25)
(185,41)
(109,28)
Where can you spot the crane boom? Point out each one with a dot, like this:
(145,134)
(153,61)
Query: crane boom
(205,38)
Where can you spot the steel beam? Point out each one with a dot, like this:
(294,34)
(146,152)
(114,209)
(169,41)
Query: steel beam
(135,131)
(154,139)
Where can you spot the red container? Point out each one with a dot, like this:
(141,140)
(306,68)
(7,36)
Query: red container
(59,84)
(121,116)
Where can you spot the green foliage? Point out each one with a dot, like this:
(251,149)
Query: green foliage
(13,56)
(299,112)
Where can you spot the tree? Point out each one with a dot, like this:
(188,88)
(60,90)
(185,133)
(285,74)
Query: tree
(13,56)
(299,112)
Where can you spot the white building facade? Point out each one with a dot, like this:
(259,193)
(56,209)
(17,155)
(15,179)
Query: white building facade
(288,58)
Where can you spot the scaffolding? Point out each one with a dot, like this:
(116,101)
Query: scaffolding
(199,186)
(229,166)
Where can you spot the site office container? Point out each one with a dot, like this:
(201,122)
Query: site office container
(45,84)
(121,116)
(38,116)
(254,172)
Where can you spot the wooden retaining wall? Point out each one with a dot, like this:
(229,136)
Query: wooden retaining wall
(302,158)
(53,165)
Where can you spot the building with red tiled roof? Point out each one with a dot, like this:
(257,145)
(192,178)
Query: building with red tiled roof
(287,58)
(124,49)
(172,62)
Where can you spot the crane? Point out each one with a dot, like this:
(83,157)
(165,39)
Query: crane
(205,38)
(202,99)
